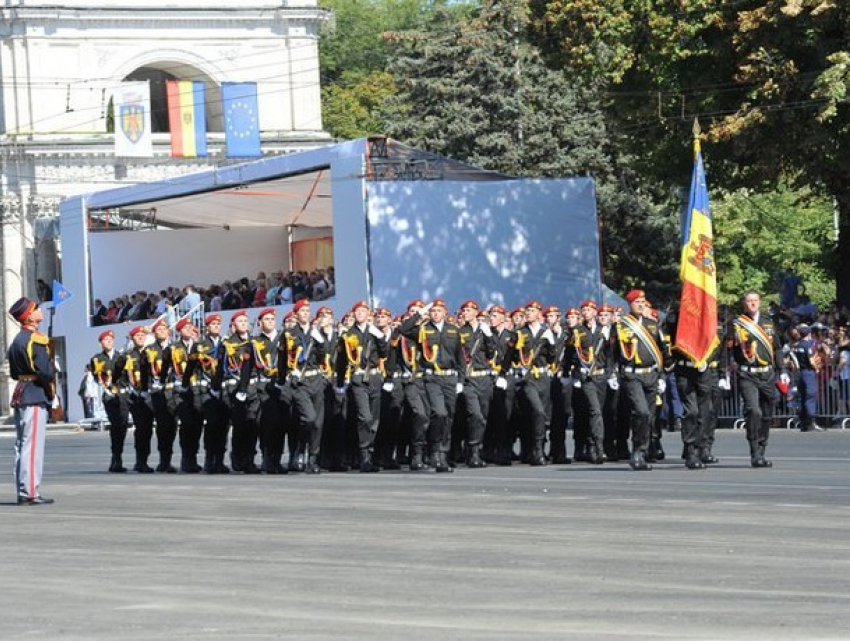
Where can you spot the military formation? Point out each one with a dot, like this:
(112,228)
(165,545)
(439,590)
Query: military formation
(426,390)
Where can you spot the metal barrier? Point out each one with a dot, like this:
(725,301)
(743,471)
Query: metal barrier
(833,402)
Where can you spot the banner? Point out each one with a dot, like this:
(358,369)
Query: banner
(186,118)
(696,332)
(241,119)
(131,103)
(60,293)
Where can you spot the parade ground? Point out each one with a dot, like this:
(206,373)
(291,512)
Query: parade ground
(558,552)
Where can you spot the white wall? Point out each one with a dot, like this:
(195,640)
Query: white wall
(128,261)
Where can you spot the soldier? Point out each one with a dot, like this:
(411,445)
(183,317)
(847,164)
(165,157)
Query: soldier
(302,354)
(805,353)
(504,387)
(266,349)
(590,362)
(205,365)
(239,393)
(334,454)
(134,379)
(615,443)
(640,353)
(655,450)
(359,352)
(561,392)
(103,366)
(31,366)
(535,353)
(478,350)
(388,441)
(162,396)
(754,345)
(440,360)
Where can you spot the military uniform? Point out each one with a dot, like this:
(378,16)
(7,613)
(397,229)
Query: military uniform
(239,393)
(504,393)
(31,366)
(104,368)
(478,350)
(805,353)
(266,348)
(134,379)
(162,401)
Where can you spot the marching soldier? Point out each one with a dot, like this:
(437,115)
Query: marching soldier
(239,393)
(440,360)
(334,453)
(388,441)
(561,392)
(31,366)
(754,345)
(359,352)
(591,365)
(504,387)
(266,350)
(478,350)
(302,354)
(175,363)
(103,367)
(535,353)
(134,379)
(162,400)
(641,354)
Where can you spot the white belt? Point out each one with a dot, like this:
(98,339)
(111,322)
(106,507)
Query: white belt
(755,370)
(638,370)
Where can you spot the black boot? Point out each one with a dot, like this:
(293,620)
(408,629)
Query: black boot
(313,465)
(209,463)
(707,457)
(757,456)
(595,456)
(165,465)
(443,466)
(142,466)
(537,458)
(220,467)
(269,465)
(117,465)
(655,452)
(692,460)
(474,459)
(296,463)
(416,463)
(189,465)
(637,461)
(366,464)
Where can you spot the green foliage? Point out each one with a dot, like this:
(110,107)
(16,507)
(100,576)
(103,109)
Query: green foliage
(353,110)
(759,235)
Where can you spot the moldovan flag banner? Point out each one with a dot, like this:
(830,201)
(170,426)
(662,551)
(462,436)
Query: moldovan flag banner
(131,105)
(241,119)
(696,332)
(186,118)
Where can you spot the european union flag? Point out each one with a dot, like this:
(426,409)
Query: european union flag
(60,294)
(241,119)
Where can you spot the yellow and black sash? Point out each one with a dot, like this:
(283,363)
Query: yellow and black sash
(644,337)
(745,327)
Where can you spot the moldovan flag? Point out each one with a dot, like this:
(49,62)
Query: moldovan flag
(131,105)
(696,333)
(186,118)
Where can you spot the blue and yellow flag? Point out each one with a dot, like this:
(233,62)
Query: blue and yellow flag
(696,333)
(186,118)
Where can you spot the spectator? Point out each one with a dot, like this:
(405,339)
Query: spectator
(190,300)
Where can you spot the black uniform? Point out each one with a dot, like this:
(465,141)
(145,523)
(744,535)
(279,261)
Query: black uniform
(504,395)
(134,379)
(535,353)
(239,393)
(103,367)
(188,389)
(272,429)
(562,399)
(479,347)
(163,405)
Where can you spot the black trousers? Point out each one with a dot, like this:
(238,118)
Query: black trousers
(166,422)
(308,409)
(416,407)
(640,391)
(534,394)
(243,415)
(118,415)
(696,390)
(478,393)
(365,402)
(270,421)
(592,391)
(142,414)
(216,422)
(757,391)
(562,407)
(191,422)
(441,392)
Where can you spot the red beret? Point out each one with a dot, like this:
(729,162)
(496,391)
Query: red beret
(108,333)
(439,302)
(415,303)
(301,303)
(287,316)
(633,295)
(358,305)
(267,310)
(498,309)
(236,315)
(22,308)
(606,308)
(534,303)
(182,323)
(572,311)
(471,304)
(383,311)
(552,309)
(138,329)
(212,318)
(588,303)
(518,310)
(160,323)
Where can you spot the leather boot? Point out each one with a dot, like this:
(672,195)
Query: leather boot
(313,465)
(366,465)
(269,465)
(637,461)
(757,456)
(443,465)
(765,462)
(692,460)
(296,463)
(220,466)
(655,452)
(142,466)
(209,463)
(189,465)
(416,464)
(596,457)
(707,457)
(117,465)
(537,458)
(165,465)
(474,459)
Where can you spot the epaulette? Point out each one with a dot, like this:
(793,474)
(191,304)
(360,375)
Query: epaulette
(41,339)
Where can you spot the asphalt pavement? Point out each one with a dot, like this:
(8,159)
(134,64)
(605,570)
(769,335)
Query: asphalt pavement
(561,552)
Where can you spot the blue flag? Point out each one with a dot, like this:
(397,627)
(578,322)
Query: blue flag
(60,294)
(241,119)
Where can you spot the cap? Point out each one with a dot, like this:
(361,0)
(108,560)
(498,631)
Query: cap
(804,329)
(633,295)
(267,310)
(183,322)
(238,314)
(299,304)
(534,303)
(212,318)
(588,303)
(469,304)
(416,302)
(22,308)
(358,305)
(439,302)
(138,329)
(552,309)
(107,334)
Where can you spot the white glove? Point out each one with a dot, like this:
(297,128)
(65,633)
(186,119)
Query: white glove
(577,383)
(374,331)
(388,386)
(241,396)
(107,393)
(279,387)
(785,378)
(156,386)
(662,385)
(424,311)
(317,336)
(485,329)
(295,374)
(215,393)
(54,404)
(613,383)
(725,384)
(340,390)
(144,394)
(566,382)
(459,388)
(702,367)
(183,390)
(501,382)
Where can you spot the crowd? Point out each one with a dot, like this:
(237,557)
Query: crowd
(278,288)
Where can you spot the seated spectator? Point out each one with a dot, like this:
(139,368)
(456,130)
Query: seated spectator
(111,315)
